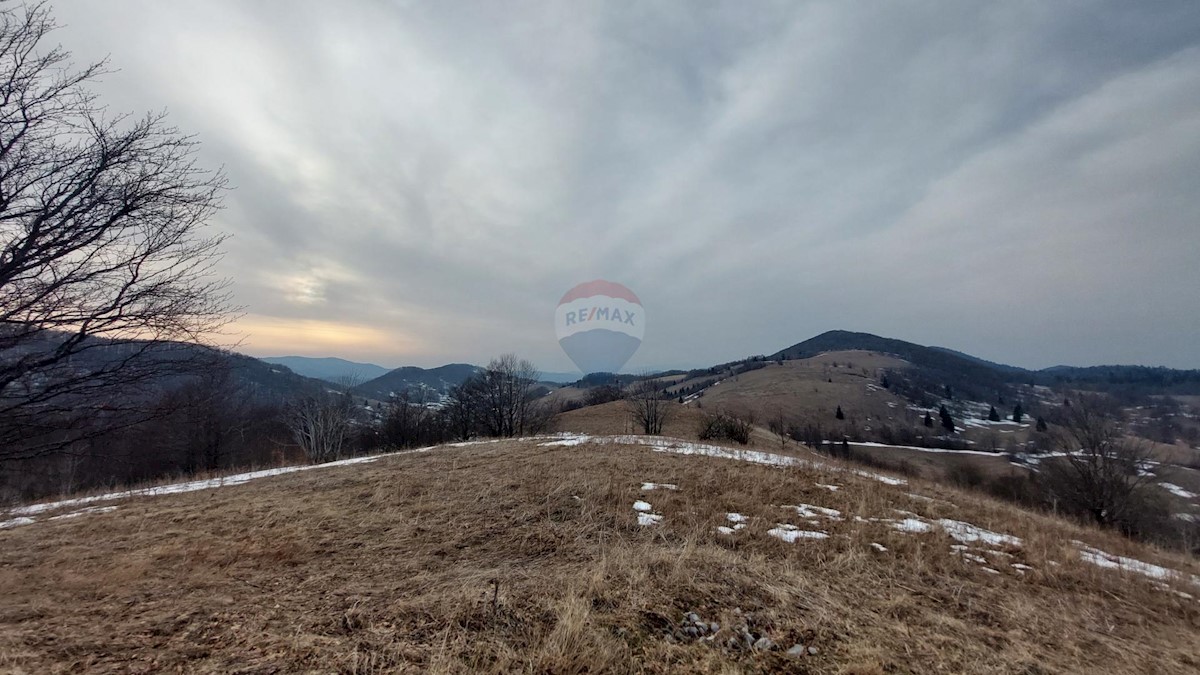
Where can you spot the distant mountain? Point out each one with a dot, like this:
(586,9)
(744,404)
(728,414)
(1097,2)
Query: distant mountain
(160,367)
(1135,379)
(414,379)
(561,378)
(329,368)
(979,378)
(968,375)
(274,382)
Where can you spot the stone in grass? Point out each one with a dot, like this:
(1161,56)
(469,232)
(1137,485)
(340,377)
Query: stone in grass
(764,644)
(797,650)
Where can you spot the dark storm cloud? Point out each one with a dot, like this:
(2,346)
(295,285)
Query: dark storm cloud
(420,182)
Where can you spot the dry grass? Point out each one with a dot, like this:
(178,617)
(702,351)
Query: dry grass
(516,557)
(614,418)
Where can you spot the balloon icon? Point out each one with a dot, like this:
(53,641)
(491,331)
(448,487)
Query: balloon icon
(599,325)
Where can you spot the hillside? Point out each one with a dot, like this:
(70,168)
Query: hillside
(272,382)
(971,376)
(627,554)
(331,369)
(415,380)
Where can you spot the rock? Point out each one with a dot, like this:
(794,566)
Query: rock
(812,651)
(714,626)
(764,644)
(733,643)
(693,617)
(691,631)
(748,638)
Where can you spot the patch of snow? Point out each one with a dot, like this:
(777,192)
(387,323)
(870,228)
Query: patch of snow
(831,488)
(920,449)
(912,525)
(16,522)
(737,519)
(1108,560)
(85,511)
(811,511)
(566,440)
(682,447)
(645,519)
(878,547)
(791,533)
(659,486)
(1178,491)
(990,570)
(1021,567)
(886,480)
(640,505)
(968,533)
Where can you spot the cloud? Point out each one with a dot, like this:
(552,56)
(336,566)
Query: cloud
(1014,180)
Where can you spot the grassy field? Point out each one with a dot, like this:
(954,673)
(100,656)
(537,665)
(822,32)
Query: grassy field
(528,556)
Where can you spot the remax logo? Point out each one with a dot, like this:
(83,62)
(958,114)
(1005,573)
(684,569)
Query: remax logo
(601,314)
(600,325)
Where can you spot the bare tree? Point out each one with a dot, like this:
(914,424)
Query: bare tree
(1103,472)
(207,418)
(780,427)
(648,404)
(104,263)
(501,400)
(321,425)
(505,397)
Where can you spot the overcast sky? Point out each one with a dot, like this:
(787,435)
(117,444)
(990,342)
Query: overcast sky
(420,182)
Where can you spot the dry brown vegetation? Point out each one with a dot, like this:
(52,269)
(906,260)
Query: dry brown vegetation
(512,556)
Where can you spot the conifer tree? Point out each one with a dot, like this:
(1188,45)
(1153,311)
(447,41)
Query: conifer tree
(947,420)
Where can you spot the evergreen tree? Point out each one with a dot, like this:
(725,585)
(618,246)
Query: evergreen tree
(1041,424)
(885,382)
(1018,413)
(928,419)
(845,449)
(947,420)
(949,392)
(839,414)
(993,416)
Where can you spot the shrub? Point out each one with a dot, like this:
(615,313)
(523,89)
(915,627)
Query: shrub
(722,426)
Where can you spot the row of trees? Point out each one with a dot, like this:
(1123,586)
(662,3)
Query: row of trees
(502,400)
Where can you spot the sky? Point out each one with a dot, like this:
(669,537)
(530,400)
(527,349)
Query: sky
(416,183)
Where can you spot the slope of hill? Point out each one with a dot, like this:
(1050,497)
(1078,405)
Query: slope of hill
(331,369)
(412,378)
(576,554)
(973,377)
(272,381)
